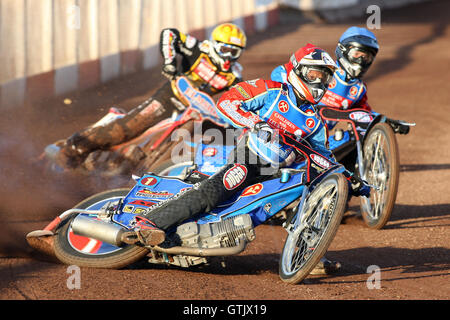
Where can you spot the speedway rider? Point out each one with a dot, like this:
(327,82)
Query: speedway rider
(263,107)
(355,53)
(211,66)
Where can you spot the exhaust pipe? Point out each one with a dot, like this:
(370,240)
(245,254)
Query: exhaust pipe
(104,231)
(112,233)
(205,252)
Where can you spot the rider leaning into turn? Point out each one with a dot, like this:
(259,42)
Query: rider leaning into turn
(355,53)
(263,106)
(211,65)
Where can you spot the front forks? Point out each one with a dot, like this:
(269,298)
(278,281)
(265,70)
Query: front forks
(297,222)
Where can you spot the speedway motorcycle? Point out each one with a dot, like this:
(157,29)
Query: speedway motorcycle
(91,234)
(368,147)
(151,148)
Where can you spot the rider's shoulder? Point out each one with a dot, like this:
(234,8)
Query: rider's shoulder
(271,84)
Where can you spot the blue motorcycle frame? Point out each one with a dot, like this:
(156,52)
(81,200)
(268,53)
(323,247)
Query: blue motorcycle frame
(90,235)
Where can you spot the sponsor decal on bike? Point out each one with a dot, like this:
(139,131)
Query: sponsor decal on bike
(128,209)
(143,203)
(321,161)
(157,194)
(361,116)
(252,190)
(234,177)
(283,106)
(139,210)
(200,101)
(267,207)
(210,152)
(149,181)
(84,244)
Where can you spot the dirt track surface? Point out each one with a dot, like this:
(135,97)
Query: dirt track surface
(408,81)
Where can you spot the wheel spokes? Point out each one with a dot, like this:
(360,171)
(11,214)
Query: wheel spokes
(375,158)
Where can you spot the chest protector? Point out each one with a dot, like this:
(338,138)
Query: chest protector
(283,115)
(203,71)
(342,94)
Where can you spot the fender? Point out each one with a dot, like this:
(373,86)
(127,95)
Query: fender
(378,118)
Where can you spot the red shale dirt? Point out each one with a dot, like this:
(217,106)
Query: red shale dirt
(408,81)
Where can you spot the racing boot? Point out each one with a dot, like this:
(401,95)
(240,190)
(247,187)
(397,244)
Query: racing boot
(145,232)
(326,267)
(69,157)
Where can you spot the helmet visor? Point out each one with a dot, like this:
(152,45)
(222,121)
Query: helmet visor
(357,55)
(228,50)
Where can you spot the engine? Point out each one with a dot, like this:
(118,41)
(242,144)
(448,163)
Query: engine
(220,234)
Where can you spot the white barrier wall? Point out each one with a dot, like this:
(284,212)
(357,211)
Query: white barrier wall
(342,4)
(51,47)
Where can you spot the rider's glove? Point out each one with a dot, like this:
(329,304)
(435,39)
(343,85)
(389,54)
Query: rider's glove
(264,131)
(402,129)
(169,71)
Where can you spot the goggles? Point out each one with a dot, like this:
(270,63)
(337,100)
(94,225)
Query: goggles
(357,55)
(315,75)
(227,50)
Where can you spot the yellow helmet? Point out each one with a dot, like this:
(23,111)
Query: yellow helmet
(228,40)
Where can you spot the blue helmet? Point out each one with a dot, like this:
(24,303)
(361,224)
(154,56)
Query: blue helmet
(356,51)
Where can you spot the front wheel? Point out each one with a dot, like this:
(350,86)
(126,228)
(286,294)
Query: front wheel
(381,168)
(77,250)
(309,240)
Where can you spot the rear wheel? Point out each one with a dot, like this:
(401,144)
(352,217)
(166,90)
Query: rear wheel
(170,169)
(307,242)
(86,252)
(381,168)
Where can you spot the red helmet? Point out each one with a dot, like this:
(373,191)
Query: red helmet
(309,71)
